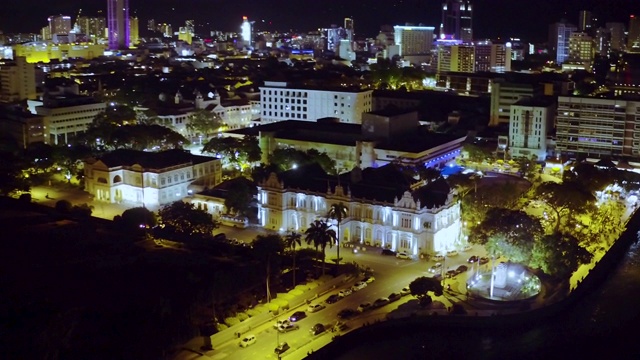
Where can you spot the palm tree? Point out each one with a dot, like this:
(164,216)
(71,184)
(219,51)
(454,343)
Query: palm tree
(290,241)
(320,235)
(266,247)
(338,212)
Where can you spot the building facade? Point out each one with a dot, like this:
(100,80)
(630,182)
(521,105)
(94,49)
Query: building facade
(118,24)
(559,35)
(581,49)
(17,80)
(530,121)
(457,20)
(598,127)
(504,94)
(414,42)
(280,102)
(149,179)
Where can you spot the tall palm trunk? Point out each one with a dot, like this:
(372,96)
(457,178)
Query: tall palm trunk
(294,266)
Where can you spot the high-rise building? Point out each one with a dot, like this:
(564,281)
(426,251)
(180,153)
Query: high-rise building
(585,21)
(59,24)
(616,30)
(633,38)
(414,42)
(457,20)
(348,27)
(456,58)
(93,27)
(559,35)
(492,57)
(151,25)
(246,31)
(17,81)
(529,121)
(134,31)
(602,41)
(118,24)
(581,49)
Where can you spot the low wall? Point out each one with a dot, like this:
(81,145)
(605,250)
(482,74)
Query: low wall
(250,324)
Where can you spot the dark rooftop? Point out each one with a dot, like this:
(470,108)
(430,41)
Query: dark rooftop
(539,101)
(152,160)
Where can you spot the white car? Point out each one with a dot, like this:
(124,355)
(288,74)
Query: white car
(467,247)
(315,307)
(359,286)
(247,340)
(452,253)
(403,255)
(280,323)
(438,257)
(345,292)
(405,291)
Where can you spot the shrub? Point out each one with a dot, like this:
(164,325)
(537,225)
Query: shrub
(230,321)
(242,316)
(221,327)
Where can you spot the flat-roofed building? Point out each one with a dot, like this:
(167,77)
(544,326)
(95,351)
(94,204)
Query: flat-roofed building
(25,127)
(17,80)
(149,179)
(281,101)
(531,120)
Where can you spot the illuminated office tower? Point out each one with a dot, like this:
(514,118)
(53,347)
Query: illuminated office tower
(246,31)
(118,23)
(616,29)
(93,27)
(633,37)
(59,24)
(457,20)
(134,36)
(559,35)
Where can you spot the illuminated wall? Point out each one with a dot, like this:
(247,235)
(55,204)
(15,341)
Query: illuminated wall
(42,52)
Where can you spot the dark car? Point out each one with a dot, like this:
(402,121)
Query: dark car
(347,313)
(388,252)
(394,296)
(462,268)
(380,303)
(451,273)
(333,299)
(317,329)
(484,260)
(298,315)
(282,348)
(472,259)
(220,237)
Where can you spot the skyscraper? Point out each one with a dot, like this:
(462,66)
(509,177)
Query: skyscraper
(457,20)
(118,24)
(59,24)
(585,21)
(617,35)
(633,38)
(559,35)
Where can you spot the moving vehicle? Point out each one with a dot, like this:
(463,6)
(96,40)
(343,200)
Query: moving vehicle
(317,329)
(347,313)
(473,259)
(282,348)
(247,340)
(333,299)
(403,256)
(435,268)
(359,286)
(315,307)
(281,322)
(438,257)
(296,316)
(288,327)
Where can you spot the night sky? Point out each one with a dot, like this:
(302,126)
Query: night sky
(527,19)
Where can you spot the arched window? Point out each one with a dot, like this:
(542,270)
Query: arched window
(117,179)
(102,180)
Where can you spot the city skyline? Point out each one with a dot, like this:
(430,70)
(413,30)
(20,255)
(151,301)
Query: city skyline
(528,20)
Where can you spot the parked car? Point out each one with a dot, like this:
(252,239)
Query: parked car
(403,256)
(281,322)
(438,257)
(220,237)
(317,329)
(473,259)
(339,326)
(467,247)
(347,313)
(388,252)
(405,291)
(315,307)
(462,268)
(435,268)
(451,273)
(364,307)
(297,316)
(484,260)
(380,302)
(288,327)
(345,292)
(359,286)
(451,253)
(369,279)
(247,340)
(394,297)
(333,299)
(282,348)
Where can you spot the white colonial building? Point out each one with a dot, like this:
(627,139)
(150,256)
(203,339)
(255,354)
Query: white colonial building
(147,178)
(386,208)
(281,101)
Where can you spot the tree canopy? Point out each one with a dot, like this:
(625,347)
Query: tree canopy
(240,196)
(234,151)
(559,255)
(421,287)
(185,219)
(320,235)
(287,158)
(203,123)
(565,199)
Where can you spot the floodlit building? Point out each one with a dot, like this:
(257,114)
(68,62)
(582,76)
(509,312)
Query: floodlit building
(559,35)
(598,127)
(581,49)
(456,58)
(118,24)
(92,27)
(414,42)
(17,80)
(504,94)
(457,20)
(281,101)
(386,208)
(530,121)
(44,52)
(59,24)
(149,179)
